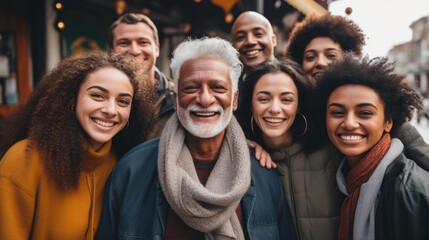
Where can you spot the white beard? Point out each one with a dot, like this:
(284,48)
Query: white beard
(204,130)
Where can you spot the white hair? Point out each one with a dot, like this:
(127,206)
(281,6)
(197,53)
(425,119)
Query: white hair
(206,47)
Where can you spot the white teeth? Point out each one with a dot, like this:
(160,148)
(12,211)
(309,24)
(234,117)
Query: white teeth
(351,137)
(274,120)
(205,114)
(250,53)
(104,124)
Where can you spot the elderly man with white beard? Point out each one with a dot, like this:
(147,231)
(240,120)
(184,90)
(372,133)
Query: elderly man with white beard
(199,180)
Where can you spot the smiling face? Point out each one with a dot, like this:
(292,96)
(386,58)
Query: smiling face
(355,120)
(205,100)
(136,40)
(274,107)
(318,54)
(253,38)
(103,104)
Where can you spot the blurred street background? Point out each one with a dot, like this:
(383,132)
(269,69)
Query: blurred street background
(397,30)
(422,127)
(36,34)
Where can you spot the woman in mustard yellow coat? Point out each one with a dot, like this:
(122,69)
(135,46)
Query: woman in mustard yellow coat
(60,147)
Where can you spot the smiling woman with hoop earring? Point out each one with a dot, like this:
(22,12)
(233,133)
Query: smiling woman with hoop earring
(273,112)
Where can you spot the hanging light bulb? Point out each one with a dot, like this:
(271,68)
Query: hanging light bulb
(60,25)
(278,3)
(58,6)
(275,29)
(145,11)
(186,27)
(229,18)
(212,33)
(120,6)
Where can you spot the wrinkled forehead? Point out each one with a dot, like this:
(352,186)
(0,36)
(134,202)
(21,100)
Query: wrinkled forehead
(205,66)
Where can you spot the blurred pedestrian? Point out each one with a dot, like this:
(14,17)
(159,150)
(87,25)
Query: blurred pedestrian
(425,109)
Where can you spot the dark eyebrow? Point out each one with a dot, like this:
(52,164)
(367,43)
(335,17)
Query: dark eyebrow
(196,81)
(359,105)
(328,49)
(107,91)
(335,105)
(99,88)
(367,105)
(268,93)
(129,39)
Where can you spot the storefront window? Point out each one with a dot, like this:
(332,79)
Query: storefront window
(8,76)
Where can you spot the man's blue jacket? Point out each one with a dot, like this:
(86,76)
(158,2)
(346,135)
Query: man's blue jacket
(134,205)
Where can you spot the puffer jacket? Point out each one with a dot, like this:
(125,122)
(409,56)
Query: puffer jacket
(403,202)
(311,190)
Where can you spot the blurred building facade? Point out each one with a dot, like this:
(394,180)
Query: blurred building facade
(412,58)
(36,34)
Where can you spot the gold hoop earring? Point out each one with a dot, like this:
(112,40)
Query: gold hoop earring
(251,125)
(306,125)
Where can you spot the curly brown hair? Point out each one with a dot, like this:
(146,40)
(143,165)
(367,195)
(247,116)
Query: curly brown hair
(48,120)
(341,30)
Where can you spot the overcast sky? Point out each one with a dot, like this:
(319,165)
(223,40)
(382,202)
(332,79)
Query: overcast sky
(385,22)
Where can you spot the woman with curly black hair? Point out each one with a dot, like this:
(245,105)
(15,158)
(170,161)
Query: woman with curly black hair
(318,40)
(59,148)
(363,103)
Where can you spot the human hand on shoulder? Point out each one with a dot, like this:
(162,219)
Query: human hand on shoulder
(261,155)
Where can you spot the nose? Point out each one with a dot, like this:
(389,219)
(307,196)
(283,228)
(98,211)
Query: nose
(250,39)
(322,62)
(134,49)
(205,97)
(274,107)
(109,108)
(350,123)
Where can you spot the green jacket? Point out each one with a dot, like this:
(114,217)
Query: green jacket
(310,187)
(164,104)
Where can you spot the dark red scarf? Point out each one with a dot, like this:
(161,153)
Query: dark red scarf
(357,176)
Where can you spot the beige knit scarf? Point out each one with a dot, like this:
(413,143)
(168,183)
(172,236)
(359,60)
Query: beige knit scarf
(211,208)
